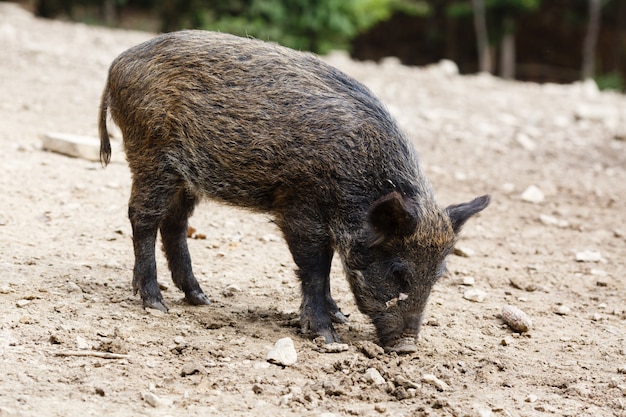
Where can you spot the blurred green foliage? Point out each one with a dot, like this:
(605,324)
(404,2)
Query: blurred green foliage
(314,25)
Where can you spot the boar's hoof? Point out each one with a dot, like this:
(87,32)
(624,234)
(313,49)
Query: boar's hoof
(330,335)
(339,317)
(155,304)
(197,298)
(403,346)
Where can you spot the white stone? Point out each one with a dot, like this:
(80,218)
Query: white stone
(533,194)
(81,343)
(84,147)
(373,376)
(464,251)
(436,382)
(552,221)
(525,142)
(476,295)
(283,353)
(562,310)
(588,256)
(468,281)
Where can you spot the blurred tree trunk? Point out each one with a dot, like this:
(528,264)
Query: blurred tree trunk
(482,38)
(589,46)
(108,9)
(507,49)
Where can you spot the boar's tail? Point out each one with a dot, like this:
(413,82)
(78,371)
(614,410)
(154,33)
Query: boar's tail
(105,144)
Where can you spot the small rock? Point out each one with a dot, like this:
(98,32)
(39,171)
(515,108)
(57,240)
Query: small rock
(5,289)
(335,347)
(400,393)
(257,389)
(516,319)
(283,353)
(476,295)
(562,310)
(468,281)
(179,340)
(533,194)
(525,142)
(152,399)
(521,284)
(588,256)
(230,290)
(436,382)
(374,377)
(621,369)
(82,344)
(463,252)
(191,369)
(22,303)
(370,349)
(552,221)
(71,286)
(406,383)
(531,398)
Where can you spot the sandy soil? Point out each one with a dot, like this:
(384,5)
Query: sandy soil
(66,260)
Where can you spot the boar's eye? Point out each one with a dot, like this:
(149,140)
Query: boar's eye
(401,277)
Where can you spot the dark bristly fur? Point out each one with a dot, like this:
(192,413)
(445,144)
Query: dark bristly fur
(252,124)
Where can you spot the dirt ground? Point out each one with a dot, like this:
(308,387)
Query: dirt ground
(66,260)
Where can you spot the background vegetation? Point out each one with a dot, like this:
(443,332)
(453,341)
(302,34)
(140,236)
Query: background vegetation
(539,40)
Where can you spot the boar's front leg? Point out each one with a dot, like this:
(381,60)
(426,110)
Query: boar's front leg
(313,258)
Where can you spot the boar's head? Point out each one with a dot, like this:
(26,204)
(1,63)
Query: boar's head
(398,258)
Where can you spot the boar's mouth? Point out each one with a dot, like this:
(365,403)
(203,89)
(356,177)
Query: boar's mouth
(403,341)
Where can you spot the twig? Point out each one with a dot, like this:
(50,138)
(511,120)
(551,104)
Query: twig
(97,354)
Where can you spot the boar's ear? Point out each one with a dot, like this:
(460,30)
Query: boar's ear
(391,216)
(459,213)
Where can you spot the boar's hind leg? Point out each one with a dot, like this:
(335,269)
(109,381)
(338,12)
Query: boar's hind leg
(145,210)
(174,236)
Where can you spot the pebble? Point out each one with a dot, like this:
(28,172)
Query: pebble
(525,142)
(464,252)
(406,383)
(335,347)
(588,256)
(22,303)
(476,295)
(71,286)
(283,353)
(516,319)
(191,368)
(373,376)
(562,310)
(82,344)
(370,349)
(621,369)
(468,281)
(5,289)
(230,290)
(533,194)
(152,399)
(436,382)
(531,398)
(552,221)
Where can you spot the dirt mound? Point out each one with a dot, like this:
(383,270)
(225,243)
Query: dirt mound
(75,341)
